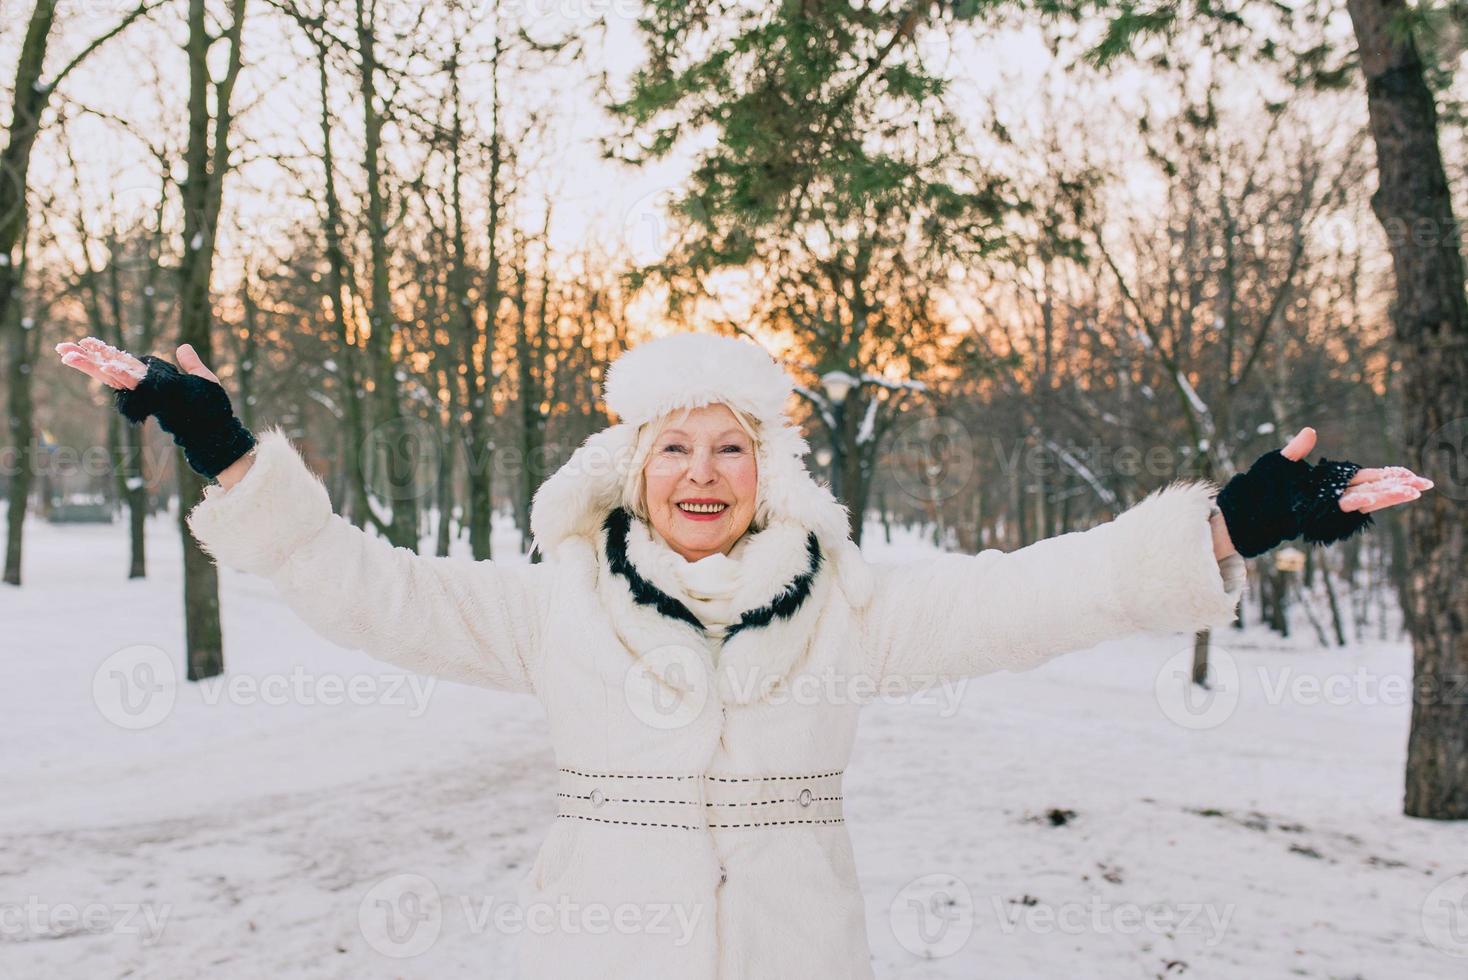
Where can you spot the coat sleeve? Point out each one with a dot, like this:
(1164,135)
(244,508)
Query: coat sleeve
(478,622)
(1152,569)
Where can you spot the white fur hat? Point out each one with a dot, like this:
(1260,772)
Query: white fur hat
(666,375)
(692,369)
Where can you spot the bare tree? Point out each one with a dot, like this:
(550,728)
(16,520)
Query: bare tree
(32,93)
(1415,207)
(206,161)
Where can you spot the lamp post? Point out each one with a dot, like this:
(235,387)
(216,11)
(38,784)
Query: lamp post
(1289,562)
(838,385)
(1289,559)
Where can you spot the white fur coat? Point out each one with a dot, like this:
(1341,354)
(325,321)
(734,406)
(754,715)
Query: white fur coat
(630,687)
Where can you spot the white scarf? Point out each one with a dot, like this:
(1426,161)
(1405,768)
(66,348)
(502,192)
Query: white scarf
(707,586)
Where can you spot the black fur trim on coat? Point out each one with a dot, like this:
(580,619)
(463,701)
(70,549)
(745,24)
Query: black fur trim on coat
(644,593)
(789,600)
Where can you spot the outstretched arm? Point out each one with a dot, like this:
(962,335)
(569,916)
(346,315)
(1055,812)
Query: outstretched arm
(478,622)
(1153,568)
(1169,564)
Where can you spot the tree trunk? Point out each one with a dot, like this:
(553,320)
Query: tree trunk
(15,160)
(128,438)
(1279,599)
(1200,657)
(445,493)
(1336,621)
(463,316)
(1203,639)
(1430,317)
(354,496)
(530,347)
(394,434)
(206,161)
(478,444)
(246,352)
(108,324)
(19,354)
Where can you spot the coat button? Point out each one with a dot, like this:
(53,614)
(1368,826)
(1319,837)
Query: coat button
(806,796)
(597,799)
(723,874)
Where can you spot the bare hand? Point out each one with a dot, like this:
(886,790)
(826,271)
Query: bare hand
(118,368)
(1370,489)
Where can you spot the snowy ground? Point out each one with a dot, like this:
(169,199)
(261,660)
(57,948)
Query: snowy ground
(1082,820)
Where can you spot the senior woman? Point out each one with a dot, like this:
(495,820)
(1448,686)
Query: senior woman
(703,633)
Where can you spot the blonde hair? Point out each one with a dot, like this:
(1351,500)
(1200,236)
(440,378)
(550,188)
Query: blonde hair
(634,489)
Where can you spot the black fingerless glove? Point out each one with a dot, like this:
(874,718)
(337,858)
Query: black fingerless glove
(194,410)
(1280,499)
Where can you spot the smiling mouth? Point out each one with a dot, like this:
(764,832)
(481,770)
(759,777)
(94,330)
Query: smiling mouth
(703,509)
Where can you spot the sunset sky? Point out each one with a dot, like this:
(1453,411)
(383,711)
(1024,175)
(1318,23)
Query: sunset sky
(132,93)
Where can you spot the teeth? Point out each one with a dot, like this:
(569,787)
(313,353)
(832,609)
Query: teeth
(703,508)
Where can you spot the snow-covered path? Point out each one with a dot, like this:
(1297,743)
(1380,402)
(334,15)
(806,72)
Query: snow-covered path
(1076,820)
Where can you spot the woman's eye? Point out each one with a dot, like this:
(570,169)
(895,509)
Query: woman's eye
(673,447)
(731,448)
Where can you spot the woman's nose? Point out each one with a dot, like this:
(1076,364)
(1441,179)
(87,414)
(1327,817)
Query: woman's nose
(701,468)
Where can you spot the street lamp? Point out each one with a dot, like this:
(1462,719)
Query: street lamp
(1289,559)
(838,385)
(1289,562)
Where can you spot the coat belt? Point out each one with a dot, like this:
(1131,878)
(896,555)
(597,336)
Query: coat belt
(700,802)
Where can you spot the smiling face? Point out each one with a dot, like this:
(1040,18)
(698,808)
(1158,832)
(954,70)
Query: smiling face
(701,481)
